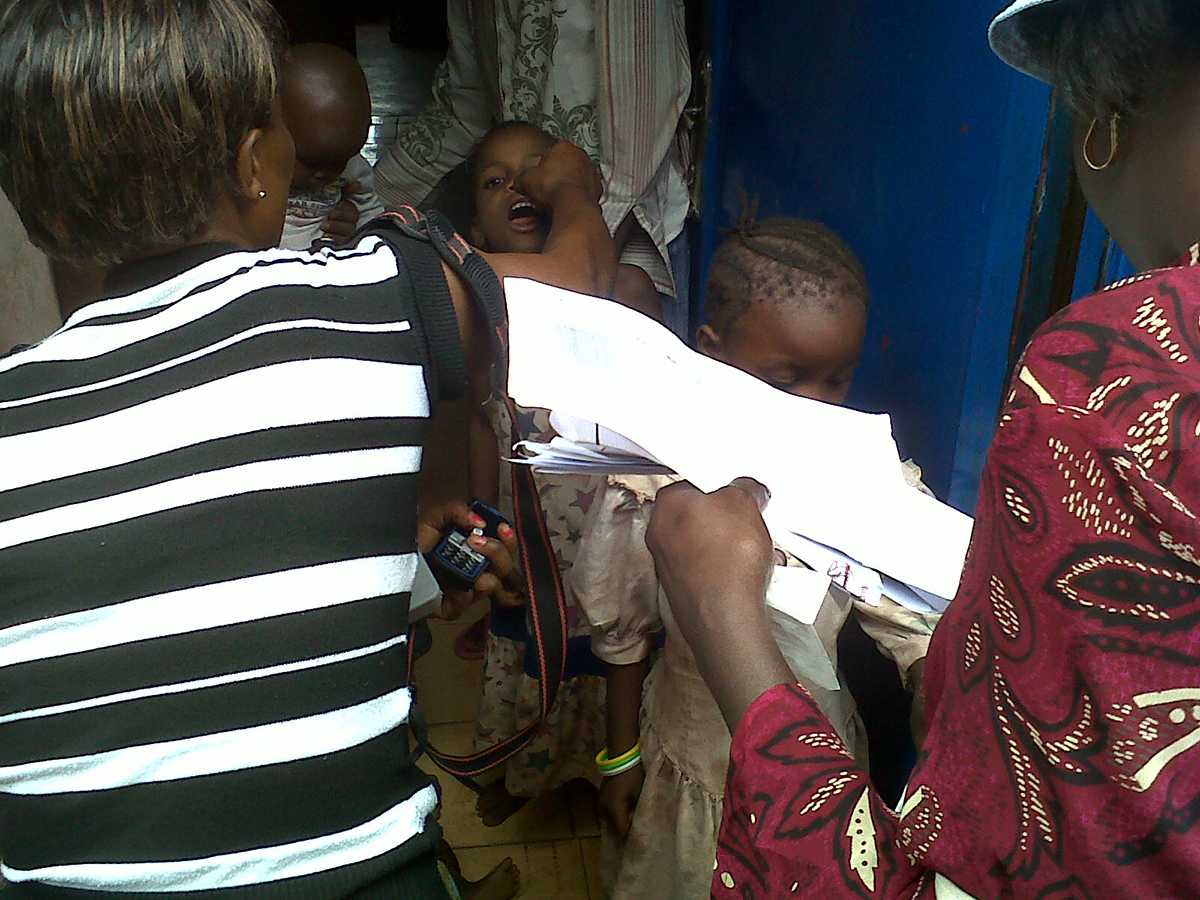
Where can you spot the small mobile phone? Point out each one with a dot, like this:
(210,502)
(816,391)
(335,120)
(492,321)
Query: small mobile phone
(455,558)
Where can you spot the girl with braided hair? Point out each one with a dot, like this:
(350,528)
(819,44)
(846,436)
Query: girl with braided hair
(787,302)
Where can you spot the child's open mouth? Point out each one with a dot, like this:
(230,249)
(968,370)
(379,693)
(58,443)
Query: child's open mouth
(524,217)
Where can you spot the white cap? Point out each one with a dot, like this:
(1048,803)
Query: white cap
(1015,47)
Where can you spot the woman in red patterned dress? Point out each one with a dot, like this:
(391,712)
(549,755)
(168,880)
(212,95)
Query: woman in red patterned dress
(1062,687)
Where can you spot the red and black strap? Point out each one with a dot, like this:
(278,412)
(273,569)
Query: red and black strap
(539,564)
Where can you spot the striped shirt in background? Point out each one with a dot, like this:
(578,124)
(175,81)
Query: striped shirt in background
(207,539)
(610,77)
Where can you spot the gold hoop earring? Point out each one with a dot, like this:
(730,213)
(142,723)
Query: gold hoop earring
(1113,138)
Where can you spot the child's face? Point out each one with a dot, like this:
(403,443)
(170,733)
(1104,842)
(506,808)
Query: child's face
(313,176)
(506,221)
(323,150)
(327,137)
(810,351)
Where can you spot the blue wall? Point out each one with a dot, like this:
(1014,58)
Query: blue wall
(895,124)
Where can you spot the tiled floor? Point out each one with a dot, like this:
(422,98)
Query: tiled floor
(554,840)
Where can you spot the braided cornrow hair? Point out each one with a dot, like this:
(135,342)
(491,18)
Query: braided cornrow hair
(781,260)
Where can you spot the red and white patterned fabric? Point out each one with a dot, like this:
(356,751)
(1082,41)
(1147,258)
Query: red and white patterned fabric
(1063,684)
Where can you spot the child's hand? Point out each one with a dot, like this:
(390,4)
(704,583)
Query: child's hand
(619,797)
(563,166)
(342,221)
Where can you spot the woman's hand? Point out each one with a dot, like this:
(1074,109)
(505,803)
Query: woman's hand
(711,546)
(578,254)
(563,166)
(713,556)
(502,582)
(619,798)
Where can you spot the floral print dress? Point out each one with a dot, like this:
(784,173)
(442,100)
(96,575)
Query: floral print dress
(573,734)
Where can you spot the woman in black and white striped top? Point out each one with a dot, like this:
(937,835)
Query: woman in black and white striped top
(208,523)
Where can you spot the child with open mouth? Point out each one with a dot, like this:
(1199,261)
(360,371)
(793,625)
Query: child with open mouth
(506,221)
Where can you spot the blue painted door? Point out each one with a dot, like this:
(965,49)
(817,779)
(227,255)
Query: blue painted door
(895,124)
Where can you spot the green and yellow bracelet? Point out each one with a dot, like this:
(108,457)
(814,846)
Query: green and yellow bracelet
(623,763)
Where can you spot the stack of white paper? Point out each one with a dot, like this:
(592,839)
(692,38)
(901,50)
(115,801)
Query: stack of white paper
(582,448)
(565,457)
(858,580)
(581,431)
(834,474)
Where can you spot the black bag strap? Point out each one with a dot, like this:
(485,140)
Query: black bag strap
(543,581)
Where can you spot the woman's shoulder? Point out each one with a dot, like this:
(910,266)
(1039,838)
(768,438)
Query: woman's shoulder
(1143,328)
(1141,305)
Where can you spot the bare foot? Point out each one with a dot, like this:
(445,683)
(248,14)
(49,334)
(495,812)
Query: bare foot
(502,883)
(496,805)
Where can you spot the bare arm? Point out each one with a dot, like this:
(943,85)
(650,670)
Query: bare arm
(483,465)
(714,556)
(624,704)
(633,288)
(917,721)
(483,460)
(619,794)
(753,664)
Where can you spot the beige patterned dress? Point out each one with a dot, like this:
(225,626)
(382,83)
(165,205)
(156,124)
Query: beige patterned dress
(685,742)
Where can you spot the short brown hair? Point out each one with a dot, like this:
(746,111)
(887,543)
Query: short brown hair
(120,119)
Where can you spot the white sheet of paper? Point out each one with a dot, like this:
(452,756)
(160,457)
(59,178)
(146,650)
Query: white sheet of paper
(798,592)
(582,431)
(834,474)
(795,599)
(855,578)
(567,457)
(917,601)
(912,598)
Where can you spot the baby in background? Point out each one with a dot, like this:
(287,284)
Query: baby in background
(327,107)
